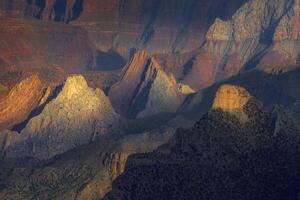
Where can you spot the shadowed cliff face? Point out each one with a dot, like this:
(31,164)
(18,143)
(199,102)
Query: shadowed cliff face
(157,26)
(220,158)
(275,88)
(200,42)
(145,89)
(261,34)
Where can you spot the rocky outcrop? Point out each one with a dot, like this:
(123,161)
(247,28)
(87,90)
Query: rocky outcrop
(77,116)
(145,89)
(285,51)
(20,101)
(199,42)
(240,43)
(230,97)
(88,171)
(219,158)
(276,88)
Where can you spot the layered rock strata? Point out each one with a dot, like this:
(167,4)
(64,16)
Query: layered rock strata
(20,101)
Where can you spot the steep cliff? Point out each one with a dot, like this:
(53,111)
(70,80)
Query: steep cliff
(20,101)
(285,50)
(145,89)
(239,44)
(157,26)
(77,116)
(221,157)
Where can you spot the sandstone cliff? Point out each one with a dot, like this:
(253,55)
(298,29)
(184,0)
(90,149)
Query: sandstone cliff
(78,115)
(145,89)
(20,101)
(245,42)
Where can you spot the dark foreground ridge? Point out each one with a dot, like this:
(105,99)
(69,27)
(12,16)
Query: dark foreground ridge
(220,158)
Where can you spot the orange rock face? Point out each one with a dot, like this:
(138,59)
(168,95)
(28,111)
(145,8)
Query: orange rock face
(21,100)
(230,98)
(123,92)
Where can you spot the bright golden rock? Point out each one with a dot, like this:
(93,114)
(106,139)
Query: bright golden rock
(230,98)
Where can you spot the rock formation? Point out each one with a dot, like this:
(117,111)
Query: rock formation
(244,42)
(120,25)
(199,42)
(284,52)
(88,171)
(272,89)
(145,89)
(20,101)
(219,158)
(230,98)
(77,116)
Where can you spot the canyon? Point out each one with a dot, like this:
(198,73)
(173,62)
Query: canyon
(135,99)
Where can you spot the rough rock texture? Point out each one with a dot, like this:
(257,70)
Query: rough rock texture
(271,88)
(220,158)
(151,25)
(240,43)
(285,50)
(230,97)
(119,26)
(200,42)
(20,101)
(78,115)
(145,89)
(88,171)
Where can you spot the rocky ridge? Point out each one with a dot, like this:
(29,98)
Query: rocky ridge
(251,38)
(145,89)
(77,116)
(20,101)
(220,157)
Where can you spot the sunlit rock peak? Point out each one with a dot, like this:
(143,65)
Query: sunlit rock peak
(77,116)
(231,98)
(20,101)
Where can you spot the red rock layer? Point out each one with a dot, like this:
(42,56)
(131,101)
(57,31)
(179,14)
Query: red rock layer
(124,91)
(27,44)
(21,100)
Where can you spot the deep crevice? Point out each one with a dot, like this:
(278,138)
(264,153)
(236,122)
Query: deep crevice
(19,127)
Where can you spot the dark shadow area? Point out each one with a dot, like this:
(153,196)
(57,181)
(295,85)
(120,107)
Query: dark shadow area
(108,61)
(35,8)
(60,10)
(187,67)
(19,127)
(138,103)
(77,9)
(270,89)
